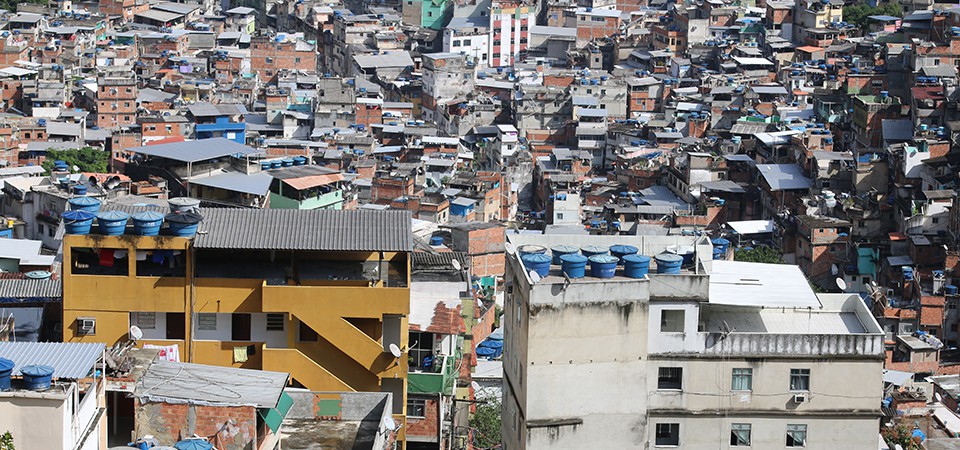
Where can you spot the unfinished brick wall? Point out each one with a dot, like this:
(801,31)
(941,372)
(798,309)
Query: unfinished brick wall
(426,427)
(172,422)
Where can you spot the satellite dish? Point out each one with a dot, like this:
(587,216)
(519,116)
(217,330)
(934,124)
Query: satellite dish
(395,351)
(534,276)
(136,333)
(937,397)
(75,168)
(508,246)
(841,284)
(834,269)
(389,424)
(112,182)
(456,264)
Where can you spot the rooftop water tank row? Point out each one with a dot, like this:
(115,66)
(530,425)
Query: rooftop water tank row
(603,260)
(183,219)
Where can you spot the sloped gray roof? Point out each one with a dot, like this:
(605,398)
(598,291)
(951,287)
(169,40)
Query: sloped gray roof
(18,290)
(783,176)
(70,360)
(280,229)
(193,151)
(177,382)
(256,184)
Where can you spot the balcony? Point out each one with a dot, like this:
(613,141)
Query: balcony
(441,382)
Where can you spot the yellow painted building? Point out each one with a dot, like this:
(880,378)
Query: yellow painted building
(318,294)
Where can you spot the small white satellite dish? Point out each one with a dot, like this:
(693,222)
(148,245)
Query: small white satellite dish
(456,264)
(136,333)
(834,269)
(389,424)
(534,276)
(508,246)
(937,397)
(873,283)
(395,351)
(841,284)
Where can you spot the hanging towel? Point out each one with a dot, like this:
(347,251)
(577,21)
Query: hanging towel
(240,354)
(106,258)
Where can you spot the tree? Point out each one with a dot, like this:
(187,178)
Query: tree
(88,159)
(761,254)
(859,15)
(6,441)
(11,5)
(486,424)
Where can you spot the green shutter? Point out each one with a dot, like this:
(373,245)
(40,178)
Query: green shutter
(273,417)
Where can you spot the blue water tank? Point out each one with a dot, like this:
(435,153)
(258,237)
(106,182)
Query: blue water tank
(603,266)
(183,224)
(299,161)
(265,165)
(147,223)
(950,289)
(636,266)
(573,265)
(80,189)
(591,250)
(36,377)
(6,368)
(275,164)
(561,250)
(436,241)
(112,223)
(622,250)
(88,204)
(907,273)
(77,221)
(721,244)
(669,263)
(537,262)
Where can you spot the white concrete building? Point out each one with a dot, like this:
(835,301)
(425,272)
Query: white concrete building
(725,354)
(67,416)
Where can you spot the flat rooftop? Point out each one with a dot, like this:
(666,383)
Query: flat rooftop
(837,314)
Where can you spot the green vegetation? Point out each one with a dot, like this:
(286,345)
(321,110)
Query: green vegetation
(88,159)
(901,436)
(762,254)
(858,14)
(486,424)
(6,441)
(11,5)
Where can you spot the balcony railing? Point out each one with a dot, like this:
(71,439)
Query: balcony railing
(441,382)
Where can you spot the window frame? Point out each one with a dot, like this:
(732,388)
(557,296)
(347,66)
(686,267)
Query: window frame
(668,431)
(665,321)
(413,401)
(205,317)
(796,428)
(736,436)
(666,376)
(744,373)
(800,374)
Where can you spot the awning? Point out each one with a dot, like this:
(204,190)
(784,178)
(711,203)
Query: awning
(273,417)
(313,181)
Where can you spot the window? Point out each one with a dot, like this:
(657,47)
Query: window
(670,378)
(559,216)
(742,380)
(240,327)
(416,407)
(296,60)
(429,13)
(39,228)
(799,379)
(456,43)
(740,435)
(269,60)
(796,435)
(671,321)
(145,320)
(668,434)
(51,231)
(275,321)
(207,321)
(421,349)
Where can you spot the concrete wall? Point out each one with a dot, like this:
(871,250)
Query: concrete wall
(823,433)
(169,422)
(37,421)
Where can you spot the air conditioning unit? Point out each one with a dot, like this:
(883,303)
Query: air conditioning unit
(800,398)
(86,326)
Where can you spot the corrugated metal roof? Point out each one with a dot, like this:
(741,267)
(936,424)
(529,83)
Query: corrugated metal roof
(193,151)
(30,289)
(177,382)
(257,183)
(782,177)
(71,360)
(278,229)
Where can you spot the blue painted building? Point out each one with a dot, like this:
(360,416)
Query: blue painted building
(223,120)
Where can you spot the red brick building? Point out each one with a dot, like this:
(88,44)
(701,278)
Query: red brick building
(267,56)
(116,101)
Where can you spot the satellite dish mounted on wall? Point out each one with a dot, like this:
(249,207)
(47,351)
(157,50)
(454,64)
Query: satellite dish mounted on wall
(395,351)
(456,265)
(508,246)
(135,333)
(534,276)
(841,284)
